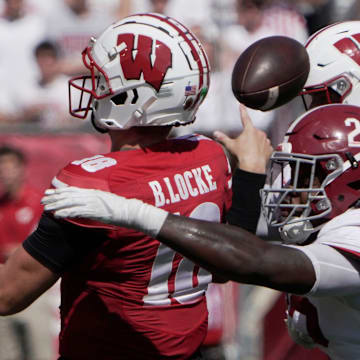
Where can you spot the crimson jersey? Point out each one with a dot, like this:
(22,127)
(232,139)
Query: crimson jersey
(136,298)
(18,218)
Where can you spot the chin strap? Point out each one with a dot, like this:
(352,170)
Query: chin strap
(297,335)
(96,127)
(296,233)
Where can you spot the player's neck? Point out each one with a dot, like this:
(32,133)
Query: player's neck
(138,137)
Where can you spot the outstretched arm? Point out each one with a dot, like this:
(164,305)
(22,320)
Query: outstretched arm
(238,255)
(226,250)
(22,280)
(52,249)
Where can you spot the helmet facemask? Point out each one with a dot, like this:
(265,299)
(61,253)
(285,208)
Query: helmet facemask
(84,89)
(331,92)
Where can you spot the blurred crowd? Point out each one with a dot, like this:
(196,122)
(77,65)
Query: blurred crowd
(42,41)
(41,44)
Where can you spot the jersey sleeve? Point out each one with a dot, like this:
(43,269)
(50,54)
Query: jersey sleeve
(335,255)
(336,273)
(58,245)
(343,233)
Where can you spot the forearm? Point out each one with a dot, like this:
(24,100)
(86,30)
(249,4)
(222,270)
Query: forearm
(238,255)
(246,203)
(8,288)
(22,281)
(210,245)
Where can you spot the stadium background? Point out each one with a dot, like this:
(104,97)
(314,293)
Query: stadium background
(248,321)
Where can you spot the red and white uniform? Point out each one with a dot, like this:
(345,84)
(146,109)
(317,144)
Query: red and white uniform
(135,298)
(329,315)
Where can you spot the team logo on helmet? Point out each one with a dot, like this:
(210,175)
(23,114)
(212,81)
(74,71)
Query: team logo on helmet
(350,47)
(152,58)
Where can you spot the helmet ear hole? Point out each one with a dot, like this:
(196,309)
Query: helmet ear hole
(119,99)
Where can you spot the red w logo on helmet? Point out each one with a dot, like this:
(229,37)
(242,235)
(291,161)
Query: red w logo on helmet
(137,61)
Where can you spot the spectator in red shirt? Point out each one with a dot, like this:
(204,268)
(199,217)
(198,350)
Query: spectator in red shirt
(20,207)
(27,335)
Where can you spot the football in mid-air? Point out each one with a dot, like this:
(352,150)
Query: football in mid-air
(270,72)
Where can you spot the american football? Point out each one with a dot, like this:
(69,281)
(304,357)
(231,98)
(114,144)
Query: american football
(270,72)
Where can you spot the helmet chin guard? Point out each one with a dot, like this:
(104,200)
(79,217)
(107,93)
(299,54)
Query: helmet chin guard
(296,232)
(145,70)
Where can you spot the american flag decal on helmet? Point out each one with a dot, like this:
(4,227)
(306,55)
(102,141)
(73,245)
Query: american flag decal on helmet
(190,90)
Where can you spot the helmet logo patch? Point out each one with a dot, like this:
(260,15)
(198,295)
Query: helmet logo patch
(190,90)
(150,57)
(350,48)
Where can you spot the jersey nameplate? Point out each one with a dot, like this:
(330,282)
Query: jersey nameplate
(192,183)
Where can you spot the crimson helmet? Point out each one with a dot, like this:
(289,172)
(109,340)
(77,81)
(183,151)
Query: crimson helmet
(318,162)
(145,70)
(334,77)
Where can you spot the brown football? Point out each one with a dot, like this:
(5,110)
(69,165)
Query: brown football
(270,72)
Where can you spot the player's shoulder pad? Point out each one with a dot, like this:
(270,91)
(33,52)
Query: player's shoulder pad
(343,232)
(90,173)
(87,173)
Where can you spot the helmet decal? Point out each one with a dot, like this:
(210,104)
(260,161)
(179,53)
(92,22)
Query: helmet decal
(152,58)
(350,46)
(353,136)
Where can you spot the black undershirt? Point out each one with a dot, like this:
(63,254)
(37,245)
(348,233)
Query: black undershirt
(59,244)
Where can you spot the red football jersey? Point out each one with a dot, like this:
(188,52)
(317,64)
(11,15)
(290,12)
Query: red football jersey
(135,298)
(18,219)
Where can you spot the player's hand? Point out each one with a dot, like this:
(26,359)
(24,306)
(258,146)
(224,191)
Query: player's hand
(252,148)
(73,202)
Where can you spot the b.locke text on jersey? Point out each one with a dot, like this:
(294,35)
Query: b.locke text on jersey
(192,183)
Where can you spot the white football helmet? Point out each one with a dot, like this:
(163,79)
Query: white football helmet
(334,77)
(145,70)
